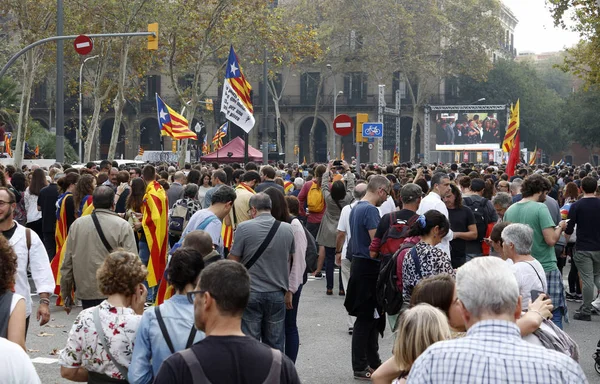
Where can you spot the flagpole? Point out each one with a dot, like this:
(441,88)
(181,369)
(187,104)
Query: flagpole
(245,147)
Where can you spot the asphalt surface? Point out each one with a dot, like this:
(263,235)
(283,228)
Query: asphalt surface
(324,355)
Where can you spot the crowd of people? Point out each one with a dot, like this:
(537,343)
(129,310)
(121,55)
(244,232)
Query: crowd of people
(196,274)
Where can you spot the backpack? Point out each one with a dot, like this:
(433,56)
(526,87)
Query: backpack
(481,216)
(389,282)
(314,199)
(312,253)
(393,238)
(179,218)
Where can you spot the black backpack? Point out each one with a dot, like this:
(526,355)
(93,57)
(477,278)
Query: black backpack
(478,207)
(312,253)
(388,295)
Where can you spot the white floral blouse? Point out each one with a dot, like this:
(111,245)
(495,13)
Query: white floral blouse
(84,348)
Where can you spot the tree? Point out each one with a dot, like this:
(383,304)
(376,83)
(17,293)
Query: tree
(541,107)
(582,60)
(31,21)
(39,136)
(9,98)
(581,117)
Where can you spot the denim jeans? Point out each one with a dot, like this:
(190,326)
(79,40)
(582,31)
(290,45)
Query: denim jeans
(292,338)
(145,257)
(264,318)
(471,256)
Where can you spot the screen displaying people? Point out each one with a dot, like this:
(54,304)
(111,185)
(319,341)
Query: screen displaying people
(466,128)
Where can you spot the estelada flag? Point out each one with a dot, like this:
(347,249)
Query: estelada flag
(85,205)
(288,186)
(205,147)
(513,128)
(172,123)
(154,224)
(533,157)
(60,237)
(235,101)
(396,158)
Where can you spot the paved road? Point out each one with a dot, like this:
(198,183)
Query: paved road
(325,344)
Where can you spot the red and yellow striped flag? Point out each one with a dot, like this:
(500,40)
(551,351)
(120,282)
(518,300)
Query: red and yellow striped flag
(396,157)
(172,123)
(513,128)
(533,157)
(60,236)
(154,224)
(288,186)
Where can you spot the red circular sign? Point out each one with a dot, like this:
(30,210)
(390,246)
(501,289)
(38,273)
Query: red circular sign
(83,44)
(343,125)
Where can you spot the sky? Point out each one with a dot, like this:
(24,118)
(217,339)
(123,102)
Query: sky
(535,31)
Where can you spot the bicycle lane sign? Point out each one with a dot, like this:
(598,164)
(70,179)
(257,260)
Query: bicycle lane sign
(372,130)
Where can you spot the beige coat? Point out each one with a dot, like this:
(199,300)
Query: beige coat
(85,252)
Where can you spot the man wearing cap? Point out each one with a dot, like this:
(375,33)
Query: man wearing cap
(483,208)
(410,195)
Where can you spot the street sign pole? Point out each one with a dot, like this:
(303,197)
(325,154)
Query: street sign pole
(60,86)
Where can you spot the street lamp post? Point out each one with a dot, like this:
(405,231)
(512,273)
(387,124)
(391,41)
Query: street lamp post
(336,94)
(80,133)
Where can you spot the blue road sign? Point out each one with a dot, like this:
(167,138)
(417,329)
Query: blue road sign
(372,130)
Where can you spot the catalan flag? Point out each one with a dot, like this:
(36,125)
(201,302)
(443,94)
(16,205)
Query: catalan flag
(396,157)
(7,141)
(172,123)
(221,132)
(533,157)
(236,102)
(85,205)
(205,147)
(60,236)
(141,151)
(513,129)
(154,224)
(288,187)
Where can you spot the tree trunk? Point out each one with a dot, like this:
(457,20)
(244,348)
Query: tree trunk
(413,134)
(92,129)
(119,102)
(311,147)
(28,76)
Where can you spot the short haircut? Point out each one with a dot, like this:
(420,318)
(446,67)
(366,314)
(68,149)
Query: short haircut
(190,190)
(502,199)
(293,205)
(237,174)
(178,175)
(520,235)
(418,328)
(261,201)
(496,233)
(360,190)
(123,177)
(199,240)
(120,272)
(228,282)
(103,197)
(194,177)
(268,172)
(224,194)
(437,178)
(90,164)
(221,175)
(589,184)
(149,173)
(377,182)
(250,176)
(535,184)
(184,268)
(479,297)
(105,164)
(515,185)
(251,166)
(136,170)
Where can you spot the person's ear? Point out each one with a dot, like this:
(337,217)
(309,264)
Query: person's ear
(464,313)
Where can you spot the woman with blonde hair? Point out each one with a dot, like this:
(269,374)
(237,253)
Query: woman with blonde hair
(100,343)
(418,328)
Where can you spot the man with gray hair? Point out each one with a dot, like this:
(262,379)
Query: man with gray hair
(175,191)
(265,246)
(515,189)
(501,202)
(343,237)
(492,351)
(516,246)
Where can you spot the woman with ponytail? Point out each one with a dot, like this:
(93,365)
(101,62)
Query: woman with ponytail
(425,259)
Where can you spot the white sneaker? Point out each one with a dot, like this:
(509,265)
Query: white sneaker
(596,303)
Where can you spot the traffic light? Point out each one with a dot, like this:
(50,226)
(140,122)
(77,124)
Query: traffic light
(153,40)
(361,118)
(209,105)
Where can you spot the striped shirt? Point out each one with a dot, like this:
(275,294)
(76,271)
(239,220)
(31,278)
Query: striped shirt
(493,352)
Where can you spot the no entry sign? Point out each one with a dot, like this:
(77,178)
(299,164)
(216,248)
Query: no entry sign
(342,125)
(83,44)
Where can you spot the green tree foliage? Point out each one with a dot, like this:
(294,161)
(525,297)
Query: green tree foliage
(38,135)
(9,100)
(581,117)
(541,106)
(584,59)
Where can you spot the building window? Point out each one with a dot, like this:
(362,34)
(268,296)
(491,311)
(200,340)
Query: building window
(309,83)
(355,87)
(152,86)
(277,80)
(355,41)
(398,83)
(452,89)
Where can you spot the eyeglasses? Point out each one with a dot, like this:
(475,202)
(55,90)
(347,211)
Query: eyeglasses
(192,295)
(3,203)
